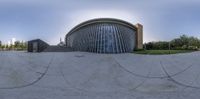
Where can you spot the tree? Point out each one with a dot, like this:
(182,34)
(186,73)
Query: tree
(2,47)
(184,42)
(17,45)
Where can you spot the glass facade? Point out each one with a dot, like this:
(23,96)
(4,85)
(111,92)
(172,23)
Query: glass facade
(103,37)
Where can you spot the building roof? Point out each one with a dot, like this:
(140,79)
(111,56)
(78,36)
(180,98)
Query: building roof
(101,20)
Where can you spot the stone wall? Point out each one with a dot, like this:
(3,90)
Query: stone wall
(139,36)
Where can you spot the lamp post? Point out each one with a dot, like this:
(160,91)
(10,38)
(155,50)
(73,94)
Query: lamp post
(169,47)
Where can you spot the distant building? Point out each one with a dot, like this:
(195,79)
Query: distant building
(37,45)
(0,43)
(13,40)
(9,43)
(61,43)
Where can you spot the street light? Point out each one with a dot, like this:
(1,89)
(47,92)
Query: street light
(169,47)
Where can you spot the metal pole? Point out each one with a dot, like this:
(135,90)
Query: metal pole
(169,48)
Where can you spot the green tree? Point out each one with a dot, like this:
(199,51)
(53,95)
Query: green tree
(2,47)
(17,45)
(183,42)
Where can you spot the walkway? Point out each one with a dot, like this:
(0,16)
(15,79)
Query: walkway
(81,75)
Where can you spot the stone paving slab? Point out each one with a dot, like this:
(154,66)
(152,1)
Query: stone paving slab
(82,75)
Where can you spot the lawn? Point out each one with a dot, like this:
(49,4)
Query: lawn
(161,52)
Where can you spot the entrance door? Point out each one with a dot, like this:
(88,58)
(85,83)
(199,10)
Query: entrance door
(35,46)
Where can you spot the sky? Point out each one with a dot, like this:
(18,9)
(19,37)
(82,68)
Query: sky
(51,20)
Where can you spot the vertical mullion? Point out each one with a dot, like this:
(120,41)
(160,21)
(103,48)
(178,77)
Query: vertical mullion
(122,36)
(119,39)
(112,33)
(93,41)
(101,34)
(98,39)
(104,38)
(95,31)
(116,39)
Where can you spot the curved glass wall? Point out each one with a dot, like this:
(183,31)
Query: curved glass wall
(102,38)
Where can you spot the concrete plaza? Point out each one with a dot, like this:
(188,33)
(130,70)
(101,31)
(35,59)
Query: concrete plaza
(82,75)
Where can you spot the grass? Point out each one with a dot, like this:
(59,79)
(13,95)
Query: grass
(161,52)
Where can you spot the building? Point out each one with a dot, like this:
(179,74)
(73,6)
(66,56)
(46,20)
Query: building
(37,45)
(13,40)
(9,43)
(61,43)
(105,35)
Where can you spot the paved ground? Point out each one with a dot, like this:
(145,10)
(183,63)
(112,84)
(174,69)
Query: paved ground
(81,75)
